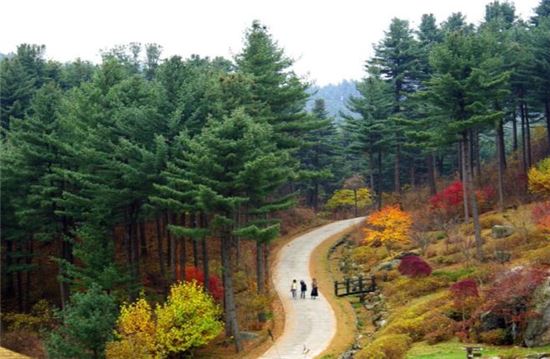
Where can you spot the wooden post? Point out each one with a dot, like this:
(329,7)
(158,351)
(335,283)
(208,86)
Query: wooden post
(336,288)
(347,286)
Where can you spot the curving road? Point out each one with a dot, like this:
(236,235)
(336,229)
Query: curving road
(310,324)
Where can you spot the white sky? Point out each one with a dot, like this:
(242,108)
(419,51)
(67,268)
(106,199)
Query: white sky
(330,40)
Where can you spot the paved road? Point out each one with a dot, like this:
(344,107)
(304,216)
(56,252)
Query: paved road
(310,324)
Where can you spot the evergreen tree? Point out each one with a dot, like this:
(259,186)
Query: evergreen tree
(278,95)
(370,132)
(396,59)
(87,325)
(20,77)
(317,156)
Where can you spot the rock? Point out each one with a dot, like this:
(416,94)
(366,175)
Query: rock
(537,332)
(248,335)
(370,306)
(499,231)
(490,321)
(380,323)
(387,265)
(408,253)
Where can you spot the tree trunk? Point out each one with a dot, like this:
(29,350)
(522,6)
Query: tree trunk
(379,182)
(523,138)
(205,269)
(413,174)
(316,196)
(355,202)
(464,160)
(547,115)
(397,173)
(183,249)
(431,173)
(231,324)
(266,260)
(472,195)
(260,276)
(501,163)
(143,238)
(514,131)
(28,262)
(371,172)
(160,251)
(528,138)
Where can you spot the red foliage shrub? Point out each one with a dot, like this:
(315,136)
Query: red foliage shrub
(214,283)
(414,267)
(450,200)
(464,289)
(510,296)
(541,215)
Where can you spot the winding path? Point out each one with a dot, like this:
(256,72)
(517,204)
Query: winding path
(310,324)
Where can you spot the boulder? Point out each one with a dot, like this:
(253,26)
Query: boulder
(500,231)
(537,332)
(387,265)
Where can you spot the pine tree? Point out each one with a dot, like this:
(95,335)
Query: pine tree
(278,94)
(369,127)
(396,59)
(87,325)
(317,156)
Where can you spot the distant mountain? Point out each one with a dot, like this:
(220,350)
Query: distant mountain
(335,97)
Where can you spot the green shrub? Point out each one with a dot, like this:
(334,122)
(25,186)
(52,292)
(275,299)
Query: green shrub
(41,317)
(454,276)
(490,220)
(393,346)
(539,256)
(404,289)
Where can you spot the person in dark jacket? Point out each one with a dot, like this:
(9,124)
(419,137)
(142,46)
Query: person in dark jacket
(314,290)
(303,289)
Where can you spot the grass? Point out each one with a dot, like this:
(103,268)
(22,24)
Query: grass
(346,321)
(455,350)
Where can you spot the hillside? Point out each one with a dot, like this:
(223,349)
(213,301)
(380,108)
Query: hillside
(335,96)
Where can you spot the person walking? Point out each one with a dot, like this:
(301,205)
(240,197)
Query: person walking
(303,289)
(314,289)
(294,288)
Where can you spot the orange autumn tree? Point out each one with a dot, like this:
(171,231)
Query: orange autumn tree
(388,226)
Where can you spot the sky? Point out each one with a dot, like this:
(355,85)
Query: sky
(329,40)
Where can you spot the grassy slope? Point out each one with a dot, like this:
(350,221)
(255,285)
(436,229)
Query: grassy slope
(527,246)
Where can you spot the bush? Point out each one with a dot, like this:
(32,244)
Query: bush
(490,220)
(541,216)
(494,337)
(393,346)
(449,201)
(510,295)
(539,256)
(414,267)
(539,178)
(40,318)
(438,327)
(88,323)
(188,319)
(404,289)
(455,275)
(388,226)
(215,287)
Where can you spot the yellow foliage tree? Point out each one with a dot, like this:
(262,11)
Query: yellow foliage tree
(189,318)
(539,178)
(349,198)
(135,333)
(388,226)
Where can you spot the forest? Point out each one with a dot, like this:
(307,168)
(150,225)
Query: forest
(141,190)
